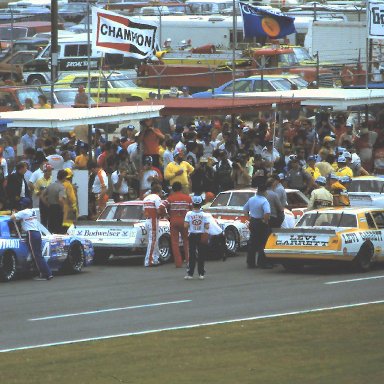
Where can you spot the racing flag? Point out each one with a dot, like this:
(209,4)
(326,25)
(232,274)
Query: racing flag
(258,22)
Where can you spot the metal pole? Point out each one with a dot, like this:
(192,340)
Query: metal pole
(234,38)
(54,48)
(12,42)
(89,55)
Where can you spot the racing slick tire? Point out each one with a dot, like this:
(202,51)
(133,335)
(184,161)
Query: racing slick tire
(231,240)
(75,259)
(165,250)
(7,266)
(363,260)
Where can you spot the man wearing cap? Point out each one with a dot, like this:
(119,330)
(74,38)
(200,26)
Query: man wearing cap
(320,197)
(197,225)
(329,144)
(81,98)
(30,224)
(259,211)
(151,206)
(177,205)
(179,170)
(70,202)
(185,94)
(339,192)
(311,167)
(41,184)
(343,169)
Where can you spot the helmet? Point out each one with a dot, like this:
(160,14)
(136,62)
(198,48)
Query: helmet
(321,180)
(341,159)
(197,200)
(69,172)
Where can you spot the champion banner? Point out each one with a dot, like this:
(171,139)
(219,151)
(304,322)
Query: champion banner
(376,20)
(115,33)
(258,22)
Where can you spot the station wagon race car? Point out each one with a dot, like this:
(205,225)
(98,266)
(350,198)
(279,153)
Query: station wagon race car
(62,252)
(120,231)
(330,234)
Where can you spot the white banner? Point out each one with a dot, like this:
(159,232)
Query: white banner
(114,33)
(375,20)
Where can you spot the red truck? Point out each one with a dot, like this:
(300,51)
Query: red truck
(12,98)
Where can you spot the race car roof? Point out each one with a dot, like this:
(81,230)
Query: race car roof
(349,210)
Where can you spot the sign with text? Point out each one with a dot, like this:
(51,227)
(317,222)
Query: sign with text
(114,33)
(376,20)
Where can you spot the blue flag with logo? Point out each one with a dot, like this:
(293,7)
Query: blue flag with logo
(258,22)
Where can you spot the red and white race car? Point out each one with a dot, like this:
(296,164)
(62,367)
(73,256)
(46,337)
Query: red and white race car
(120,230)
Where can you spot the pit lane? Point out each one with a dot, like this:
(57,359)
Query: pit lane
(125,298)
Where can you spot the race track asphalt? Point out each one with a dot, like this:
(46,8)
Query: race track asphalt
(124,297)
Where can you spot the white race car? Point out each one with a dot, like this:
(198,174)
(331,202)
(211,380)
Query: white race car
(120,231)
(366,191)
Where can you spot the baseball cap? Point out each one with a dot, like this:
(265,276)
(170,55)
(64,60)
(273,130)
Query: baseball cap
(341,159)
(131,127)
(197,200)
(345,179)
(312,158)
(25,202)
(333,176)
(328,139)
(281,176)
(65,140)
(185,88)
(321,180)
(347,155)
(69,172)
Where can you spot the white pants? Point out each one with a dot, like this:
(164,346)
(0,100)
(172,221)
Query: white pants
(152,255)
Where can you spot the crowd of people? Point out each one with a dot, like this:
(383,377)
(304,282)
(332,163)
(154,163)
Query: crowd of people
(199,157)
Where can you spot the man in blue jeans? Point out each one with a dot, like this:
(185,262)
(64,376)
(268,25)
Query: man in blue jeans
(30,224)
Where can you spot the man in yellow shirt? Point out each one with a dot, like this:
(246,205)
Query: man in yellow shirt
(311,167)
(70,202)
(342,168)
(81,161)
(40,185)
(43,103)
(179,170)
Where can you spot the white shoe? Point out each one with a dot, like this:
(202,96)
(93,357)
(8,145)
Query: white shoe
(201,277)
(188,277)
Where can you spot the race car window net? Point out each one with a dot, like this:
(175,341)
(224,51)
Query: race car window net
(328,220)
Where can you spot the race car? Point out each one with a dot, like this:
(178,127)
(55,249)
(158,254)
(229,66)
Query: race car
(348,235)
(120,231)
(366,191)
(228,205)
(62,252)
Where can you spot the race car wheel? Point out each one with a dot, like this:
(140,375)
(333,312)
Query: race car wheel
(165,251)
(7,266)
(75,258)
(231,240)
(363,260)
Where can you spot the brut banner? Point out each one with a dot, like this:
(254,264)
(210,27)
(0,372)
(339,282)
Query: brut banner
(376,20)
(114,33)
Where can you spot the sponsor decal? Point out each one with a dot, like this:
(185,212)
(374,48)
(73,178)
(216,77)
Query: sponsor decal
(372,235)
(116,33)
(376,20)
(9,243)
(350,238)
(303,240)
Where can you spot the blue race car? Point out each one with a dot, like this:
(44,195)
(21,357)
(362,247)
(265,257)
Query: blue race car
(62,252)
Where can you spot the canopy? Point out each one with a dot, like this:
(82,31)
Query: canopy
(337,98)
(67,118)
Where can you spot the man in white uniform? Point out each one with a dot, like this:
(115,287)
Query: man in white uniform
(30,224)
(151,205)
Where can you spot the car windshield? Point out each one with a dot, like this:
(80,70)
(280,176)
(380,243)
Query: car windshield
(376,186)
(302,54)
(238,199)
(10,34)
(299,82)
(31,93)
(221,200)
(330,219)
(121,82)
(123,212)
(287,59)
(281,85)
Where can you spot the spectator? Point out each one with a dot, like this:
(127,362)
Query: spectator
(28,103)
(168,153)
(364,144)
(81,160)
(148,174)
(41,184)
(185,93)
(296,177)
(277,209)
(81,98)
(28,140)
(17,187)
(42,102)
(150,137)
(223,173)
(242,173)
(260,173)
(68,162)
(203,177)
(120,182)
(70,210)
(179,170)
(99,187)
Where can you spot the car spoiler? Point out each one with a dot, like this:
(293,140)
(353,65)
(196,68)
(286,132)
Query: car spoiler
(317,231)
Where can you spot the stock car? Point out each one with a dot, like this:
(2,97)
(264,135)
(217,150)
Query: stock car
(120,231)
(62,252)
(367,191)
(344,235)
(228,205)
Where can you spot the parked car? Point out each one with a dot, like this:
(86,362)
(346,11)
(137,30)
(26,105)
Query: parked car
(256,84)
(73,12)
(346,235)
(12,98)
(62,252)
(120,230)
(63,96)
(110,87)
(367,191)
(11,66)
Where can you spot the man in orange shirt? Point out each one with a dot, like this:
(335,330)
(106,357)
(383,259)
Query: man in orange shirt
(177,206)
(150,137)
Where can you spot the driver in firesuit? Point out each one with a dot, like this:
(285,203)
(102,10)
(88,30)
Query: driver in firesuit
(151,205)
(177,206)
(320,197)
